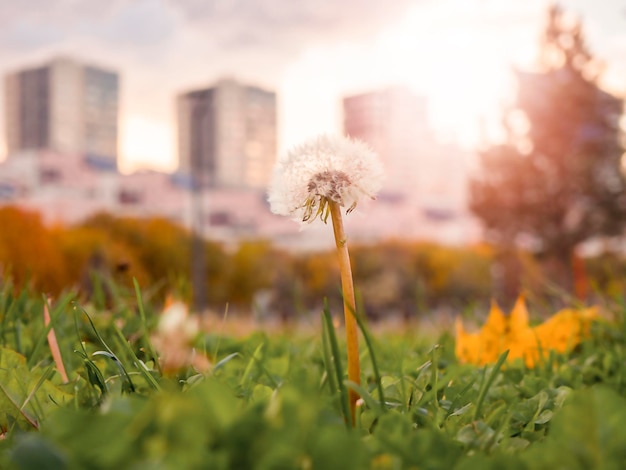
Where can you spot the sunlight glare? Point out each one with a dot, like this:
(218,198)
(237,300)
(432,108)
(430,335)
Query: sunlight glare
(464,68)
(146,143)
(459,56)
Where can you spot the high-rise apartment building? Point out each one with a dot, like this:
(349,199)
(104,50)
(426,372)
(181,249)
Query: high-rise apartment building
(64,106)
(393,122)
(227,135)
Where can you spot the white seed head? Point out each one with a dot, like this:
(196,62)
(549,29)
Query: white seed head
(321,170)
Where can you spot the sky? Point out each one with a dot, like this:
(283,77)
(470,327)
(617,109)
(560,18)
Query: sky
(458,54)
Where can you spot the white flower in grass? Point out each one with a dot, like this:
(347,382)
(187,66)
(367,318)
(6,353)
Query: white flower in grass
(322,170)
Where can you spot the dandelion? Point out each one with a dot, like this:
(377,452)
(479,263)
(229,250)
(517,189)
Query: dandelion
(322,171)
(317,179)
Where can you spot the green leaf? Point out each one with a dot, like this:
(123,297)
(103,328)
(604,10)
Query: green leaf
(487,383)
(26,396)
(588,432)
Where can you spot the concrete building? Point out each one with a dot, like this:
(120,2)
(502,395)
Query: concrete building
(149,193)
(227,135)
(394,123)
(426,181)
(64,188)
(66,107)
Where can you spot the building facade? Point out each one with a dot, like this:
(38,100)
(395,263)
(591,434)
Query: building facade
(66,107)
(393,121)
(426,181)
(227,135)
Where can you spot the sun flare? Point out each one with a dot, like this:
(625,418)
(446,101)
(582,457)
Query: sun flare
(459,59)
(146,143)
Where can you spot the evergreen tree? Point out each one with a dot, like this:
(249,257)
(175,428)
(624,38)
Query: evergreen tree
(557,180)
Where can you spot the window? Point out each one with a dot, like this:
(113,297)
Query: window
(127,196)
(220,219)
(50,175)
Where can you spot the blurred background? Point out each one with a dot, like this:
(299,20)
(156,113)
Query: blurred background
(139,138)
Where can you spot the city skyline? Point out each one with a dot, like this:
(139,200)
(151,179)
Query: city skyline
(311,55)
(226,132)
(228,150)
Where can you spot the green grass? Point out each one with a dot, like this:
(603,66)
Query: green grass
(279,401)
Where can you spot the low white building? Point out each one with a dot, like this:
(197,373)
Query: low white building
(69,188)
(63,188)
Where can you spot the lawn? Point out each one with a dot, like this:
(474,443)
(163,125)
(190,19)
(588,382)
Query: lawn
(278,400)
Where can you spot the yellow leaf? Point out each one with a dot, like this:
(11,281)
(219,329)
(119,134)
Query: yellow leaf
(518,319)
(561,333)
(467,344)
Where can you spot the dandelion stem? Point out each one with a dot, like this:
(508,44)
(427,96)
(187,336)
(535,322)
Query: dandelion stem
(349,304)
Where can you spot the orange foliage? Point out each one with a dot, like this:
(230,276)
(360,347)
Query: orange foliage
(28,252)
(52,259)
(88,250)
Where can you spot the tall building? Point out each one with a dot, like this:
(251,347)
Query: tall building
(227,135)
(64,106)
(426,176)
(394,123)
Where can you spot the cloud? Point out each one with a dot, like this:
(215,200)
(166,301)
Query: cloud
(27,35)
(227,25)
(144,23)
(211,36)
(286,25)
(30,25)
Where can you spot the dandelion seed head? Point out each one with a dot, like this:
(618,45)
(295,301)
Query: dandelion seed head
(324,169)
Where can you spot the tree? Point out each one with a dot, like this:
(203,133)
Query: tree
(556,181)
(28,255)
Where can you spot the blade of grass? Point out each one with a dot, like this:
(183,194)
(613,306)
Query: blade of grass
(434,371)
(266,372)
(343,392)
(96,379)
(97,333)
(457,399)
(8,307)
(17,328)
(219,336)
(138,364)
(129,383)
(370,348)
(328,363)
(253,360)
(425,395)
(225,361)
(80,341)
(98,295)
(144,326)
(487,383)
(367,397)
